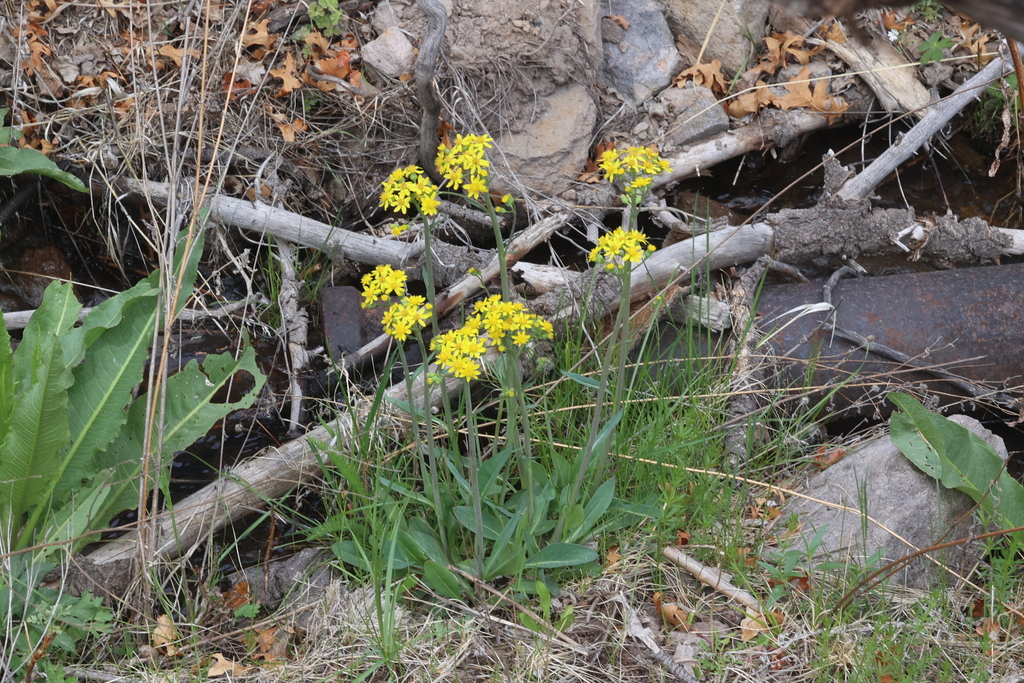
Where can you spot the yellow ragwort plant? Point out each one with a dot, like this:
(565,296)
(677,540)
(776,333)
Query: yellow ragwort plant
(619,248)
(380,283)
(408,188)
(465,164)
(633,170)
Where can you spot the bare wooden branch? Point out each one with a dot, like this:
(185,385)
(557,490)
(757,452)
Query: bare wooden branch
(938,115)
(711,577)
(291,227)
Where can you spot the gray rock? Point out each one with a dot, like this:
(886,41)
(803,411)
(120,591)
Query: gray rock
(738,22)
(908,503)
(390,53)
(640,60)
(550,153)
(692,114)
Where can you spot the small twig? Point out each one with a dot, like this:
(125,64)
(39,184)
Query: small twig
(712,578)
(294,322)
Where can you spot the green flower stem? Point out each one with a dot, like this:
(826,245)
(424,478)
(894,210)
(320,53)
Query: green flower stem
(474,479)
(526,449)
(621,319)
(435,482)
(500,246)
(428,272)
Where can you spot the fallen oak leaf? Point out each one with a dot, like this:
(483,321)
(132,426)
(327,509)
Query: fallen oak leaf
(288,75)
(235,86)
(176,54)
(708,75)
(750,102)
(165,635)
(222,666)
(259,35)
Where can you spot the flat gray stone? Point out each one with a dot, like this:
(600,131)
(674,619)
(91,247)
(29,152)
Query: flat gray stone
(692,114)
(642,59)
(738,22)
(390,53)
(914,509)
(550,153)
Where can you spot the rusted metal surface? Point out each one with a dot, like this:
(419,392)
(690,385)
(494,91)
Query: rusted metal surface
(346,327)
(967,322)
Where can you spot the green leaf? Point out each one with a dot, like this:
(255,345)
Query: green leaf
(6,382)
(561,555)
(188,412)
(14,161)
(595,509)
(583,380)
(499,557)
(117,334)
(492,527)
(957,458)
(442,580)
(931,49)
(38,424)
(351,553)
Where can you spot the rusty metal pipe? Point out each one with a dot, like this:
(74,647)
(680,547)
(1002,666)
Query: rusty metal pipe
(967,322)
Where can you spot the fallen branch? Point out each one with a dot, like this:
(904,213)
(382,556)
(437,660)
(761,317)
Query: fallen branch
(712,578)
(937,117)
(290,227)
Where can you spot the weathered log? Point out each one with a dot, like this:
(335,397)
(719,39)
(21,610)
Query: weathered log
(290,227)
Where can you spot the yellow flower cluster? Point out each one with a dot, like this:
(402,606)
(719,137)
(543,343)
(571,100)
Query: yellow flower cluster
(619,247)
(380,283)
(637,164)
(405,316)
(410,187)
(495,323)
(465,164)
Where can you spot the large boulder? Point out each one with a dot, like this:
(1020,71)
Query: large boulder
(640,56)
(909,510)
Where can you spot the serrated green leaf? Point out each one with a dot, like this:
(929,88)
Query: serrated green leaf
(38,420)
(561,555)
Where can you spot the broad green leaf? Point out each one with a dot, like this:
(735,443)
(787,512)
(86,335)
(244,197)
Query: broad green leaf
(428,545)
(561,555)
(593,512)
(492,527)
(352,553)
(39,413)
(498,555)
(442,580)
(6,382)
(77,516)
(189,412)
(27,160)
(957,458)
(490,473)
(117,335)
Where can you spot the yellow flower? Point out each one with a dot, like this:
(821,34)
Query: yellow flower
(637,165)
(506,199)
(382,282)
(405,316)
(619,247)
(408,187)
(475,187)
(399,228)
